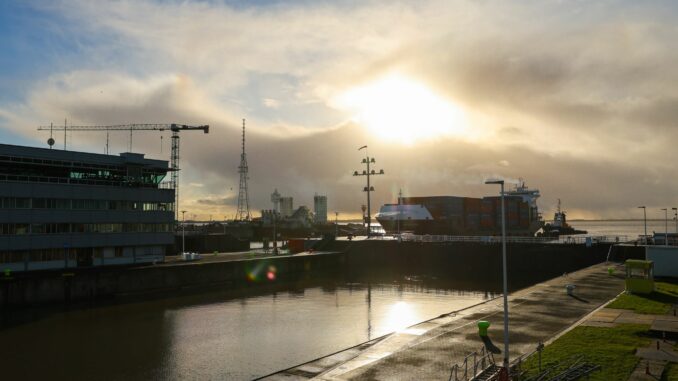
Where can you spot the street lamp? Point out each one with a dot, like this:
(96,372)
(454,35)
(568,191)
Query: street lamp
(666,226)
(675,217)
(644,222)
(503,252)
(183,232)
(275,233)
(367,160)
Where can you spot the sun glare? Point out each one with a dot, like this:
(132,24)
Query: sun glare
(401,109)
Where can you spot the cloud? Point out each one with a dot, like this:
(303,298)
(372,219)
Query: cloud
(216,201)
(577,97)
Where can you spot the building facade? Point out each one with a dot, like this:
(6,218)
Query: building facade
(66,209)
(320,209)
(286,206)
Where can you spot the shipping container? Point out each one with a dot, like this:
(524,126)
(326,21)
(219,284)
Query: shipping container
(472,205)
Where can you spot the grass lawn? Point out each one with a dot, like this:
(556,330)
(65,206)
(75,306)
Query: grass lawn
(658,302)
(670,373)
(611,348)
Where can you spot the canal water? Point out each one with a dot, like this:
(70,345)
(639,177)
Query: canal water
(217,335)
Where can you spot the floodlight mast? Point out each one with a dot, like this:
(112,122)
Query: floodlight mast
(367,160)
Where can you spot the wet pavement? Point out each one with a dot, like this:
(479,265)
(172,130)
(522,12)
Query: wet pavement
(428,350)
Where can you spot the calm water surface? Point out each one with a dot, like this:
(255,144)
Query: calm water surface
(216,336)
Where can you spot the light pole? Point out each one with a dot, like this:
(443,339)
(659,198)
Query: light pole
(183,232)
(368,188)
(666,226)
(275,233)
(503,254)
(336,224)
(675,217)
(644,222)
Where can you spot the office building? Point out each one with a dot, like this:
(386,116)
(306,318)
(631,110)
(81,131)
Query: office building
(65,209)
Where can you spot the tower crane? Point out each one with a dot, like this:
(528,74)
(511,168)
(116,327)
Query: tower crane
(174,158)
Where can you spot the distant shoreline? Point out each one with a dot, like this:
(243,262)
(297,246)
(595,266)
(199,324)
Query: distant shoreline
(619,220)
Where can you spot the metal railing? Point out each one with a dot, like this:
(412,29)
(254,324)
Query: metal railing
(579,240)
(466,371)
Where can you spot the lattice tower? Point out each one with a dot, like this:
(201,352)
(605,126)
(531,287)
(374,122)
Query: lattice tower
(243,213)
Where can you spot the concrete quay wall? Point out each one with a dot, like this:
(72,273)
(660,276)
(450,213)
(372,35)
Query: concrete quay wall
(361,261)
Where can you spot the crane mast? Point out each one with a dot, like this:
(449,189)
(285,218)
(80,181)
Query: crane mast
(174,155)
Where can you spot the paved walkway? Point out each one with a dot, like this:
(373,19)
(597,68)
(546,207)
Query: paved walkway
(427,350)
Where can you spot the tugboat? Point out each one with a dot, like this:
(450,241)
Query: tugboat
(559,226)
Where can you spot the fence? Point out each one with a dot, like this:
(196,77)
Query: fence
(579,240)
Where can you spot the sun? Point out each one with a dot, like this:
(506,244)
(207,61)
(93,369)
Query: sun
(398,108)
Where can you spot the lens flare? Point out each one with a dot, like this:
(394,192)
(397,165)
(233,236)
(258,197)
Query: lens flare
(270,275)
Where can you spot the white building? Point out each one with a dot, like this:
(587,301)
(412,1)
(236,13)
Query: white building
(286,206)
(275,199)
(320,209)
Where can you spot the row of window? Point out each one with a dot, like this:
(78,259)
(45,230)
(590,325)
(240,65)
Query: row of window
(60,203)
(44,255)
(21,229)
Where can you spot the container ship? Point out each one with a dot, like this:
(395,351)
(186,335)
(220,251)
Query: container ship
(454,215)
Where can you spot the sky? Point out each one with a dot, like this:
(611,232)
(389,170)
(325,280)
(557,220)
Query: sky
(578,98)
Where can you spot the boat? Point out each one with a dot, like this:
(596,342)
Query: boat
(559,226)
(456,215)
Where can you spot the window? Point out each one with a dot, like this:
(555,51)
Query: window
(21,229)
(38,229)
(12,256)
(23,203)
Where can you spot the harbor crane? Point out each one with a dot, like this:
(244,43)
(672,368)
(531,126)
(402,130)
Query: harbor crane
(174,156)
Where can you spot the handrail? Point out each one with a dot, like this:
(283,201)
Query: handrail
(479,364)
(579,240)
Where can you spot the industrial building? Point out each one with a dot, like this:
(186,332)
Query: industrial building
(65,209)
(320,209)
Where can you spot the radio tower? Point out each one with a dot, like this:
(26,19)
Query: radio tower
(243,200)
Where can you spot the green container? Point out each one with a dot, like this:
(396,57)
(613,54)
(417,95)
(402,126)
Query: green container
(482,327)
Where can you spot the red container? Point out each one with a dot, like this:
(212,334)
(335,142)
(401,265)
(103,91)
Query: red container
(295,245)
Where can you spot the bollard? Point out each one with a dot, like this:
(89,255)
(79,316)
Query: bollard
(482,328)
(570,289)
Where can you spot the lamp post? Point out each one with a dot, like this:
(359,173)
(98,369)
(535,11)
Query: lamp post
(503,253)
(644,222)
(367,160)
(275,233)
(183,232)
(675,217)
(336,224)
(666,226)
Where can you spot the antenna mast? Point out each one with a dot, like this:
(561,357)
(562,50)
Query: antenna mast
(243,213)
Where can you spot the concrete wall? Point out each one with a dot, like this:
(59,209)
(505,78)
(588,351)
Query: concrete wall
(363,261)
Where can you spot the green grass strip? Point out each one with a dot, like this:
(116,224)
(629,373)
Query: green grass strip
(611,348)
(658,302)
